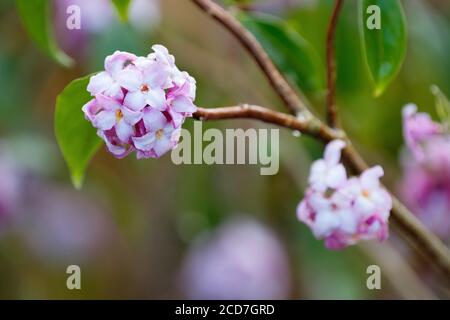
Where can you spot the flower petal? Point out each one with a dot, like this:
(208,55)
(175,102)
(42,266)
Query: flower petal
(117,150)
(162,145)
(130,116)
(177,118)
(144,143)
(107,103)
(154,120)
(326,222)
(135,100)
(183,104)
(99,83)
(336,176)
(156,75)
(104,120)
(90,109)
(114,91)
(118,61)
(156,98)
(370,178)
(124,131)
(332,153)
(130,78)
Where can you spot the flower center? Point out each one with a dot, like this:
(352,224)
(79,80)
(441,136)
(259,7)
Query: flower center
(145,88)
(366,193)
(159,134)
(119,115)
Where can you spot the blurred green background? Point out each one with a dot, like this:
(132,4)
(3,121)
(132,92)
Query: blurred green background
(130,226)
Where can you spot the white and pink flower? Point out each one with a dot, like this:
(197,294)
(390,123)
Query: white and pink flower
(342,210)
(417,128)
(140,103)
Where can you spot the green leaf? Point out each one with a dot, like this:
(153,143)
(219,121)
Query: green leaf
(76,137)
(384,48)
(35,15)
(122,8)
(291,53)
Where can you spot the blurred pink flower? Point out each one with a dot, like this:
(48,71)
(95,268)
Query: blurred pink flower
(417,128)
(344,211)
(96,17)
(140,103)
(242,259)
(74,41)
(11,186)
(425,186)
(144,15)
(62,224)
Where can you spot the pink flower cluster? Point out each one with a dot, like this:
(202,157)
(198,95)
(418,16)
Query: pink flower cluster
(344,210)
(425,186)
(418,128)
(140,103)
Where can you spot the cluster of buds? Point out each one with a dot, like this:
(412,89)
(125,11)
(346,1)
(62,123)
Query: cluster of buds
(140,103)
(344,210)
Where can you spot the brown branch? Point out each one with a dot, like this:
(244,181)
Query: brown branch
(429,245)
(312,127)
(277,81)
(332,116)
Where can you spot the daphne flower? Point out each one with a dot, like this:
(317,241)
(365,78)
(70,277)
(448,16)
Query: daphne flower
(105,82)
(178,78)
(343,211)
(114,145)
(242,259)
(418,127)
(106,113)
(370,197)
(146,86)
(161,136)
(140,103)
(328,172)
(425,185)
(180,104)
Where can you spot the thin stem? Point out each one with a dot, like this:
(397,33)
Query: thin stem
(429,245)
(277,81)
(332,112)
(314,128)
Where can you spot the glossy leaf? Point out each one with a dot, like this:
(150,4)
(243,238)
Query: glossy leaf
(36,17)
(292,54)
(384,48)
(122,8)
(76,137)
